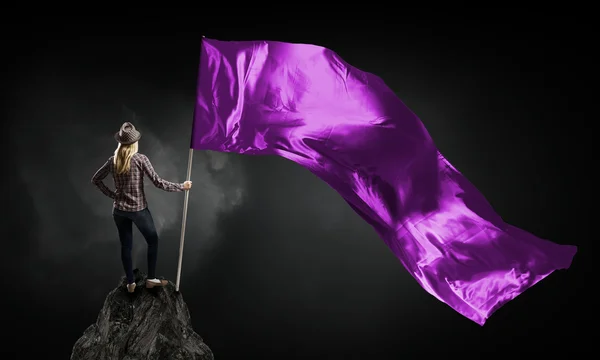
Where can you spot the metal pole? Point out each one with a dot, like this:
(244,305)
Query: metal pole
(183,220)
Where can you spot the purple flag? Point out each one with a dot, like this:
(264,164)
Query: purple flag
(306,104)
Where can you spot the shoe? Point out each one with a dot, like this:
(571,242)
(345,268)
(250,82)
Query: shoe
(131,287)
(150,283)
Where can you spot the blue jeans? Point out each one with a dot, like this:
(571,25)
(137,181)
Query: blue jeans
(143,220)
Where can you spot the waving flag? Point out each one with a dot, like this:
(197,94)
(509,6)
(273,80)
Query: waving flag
(306,104)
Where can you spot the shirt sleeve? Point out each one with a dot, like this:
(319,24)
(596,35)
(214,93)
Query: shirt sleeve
(156,180)
(101,175)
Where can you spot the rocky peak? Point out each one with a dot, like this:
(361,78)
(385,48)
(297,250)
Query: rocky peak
(148,324)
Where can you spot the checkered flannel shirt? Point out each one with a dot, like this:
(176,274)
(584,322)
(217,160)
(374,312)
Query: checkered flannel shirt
(129,194)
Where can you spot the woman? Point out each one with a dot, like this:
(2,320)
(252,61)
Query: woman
(128,168)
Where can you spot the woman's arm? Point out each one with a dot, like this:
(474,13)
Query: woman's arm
(99,176)
(156,180)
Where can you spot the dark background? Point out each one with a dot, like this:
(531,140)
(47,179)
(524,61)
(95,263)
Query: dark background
(276,264)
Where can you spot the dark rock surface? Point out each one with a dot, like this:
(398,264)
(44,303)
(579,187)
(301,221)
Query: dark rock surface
(149,324)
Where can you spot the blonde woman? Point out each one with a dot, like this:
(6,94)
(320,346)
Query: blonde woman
(128,168)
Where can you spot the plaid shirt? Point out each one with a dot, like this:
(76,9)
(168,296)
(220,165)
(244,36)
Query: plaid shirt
(129,194)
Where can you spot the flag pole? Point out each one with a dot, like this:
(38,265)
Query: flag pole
(183,220)
(184,217)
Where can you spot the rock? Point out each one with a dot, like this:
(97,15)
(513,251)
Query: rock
(149,324)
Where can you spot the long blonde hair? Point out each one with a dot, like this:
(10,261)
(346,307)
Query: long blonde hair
(123,155)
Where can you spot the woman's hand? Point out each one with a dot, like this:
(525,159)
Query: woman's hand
(187,185)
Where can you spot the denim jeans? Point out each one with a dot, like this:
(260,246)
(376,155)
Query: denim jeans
(143,220)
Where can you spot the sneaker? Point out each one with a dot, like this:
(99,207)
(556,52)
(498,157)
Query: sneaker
(131,287)
(150,283)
